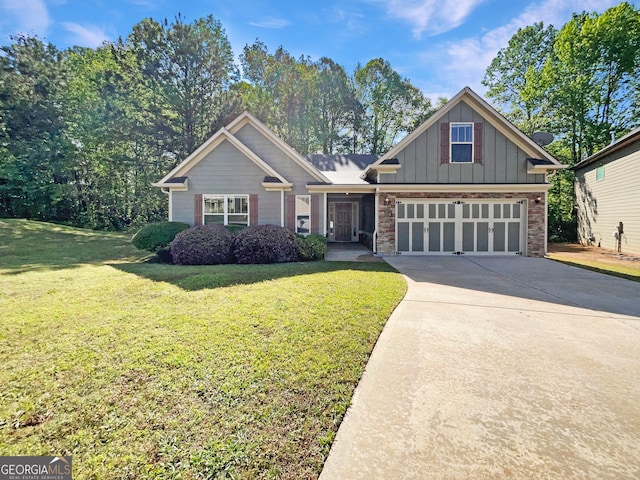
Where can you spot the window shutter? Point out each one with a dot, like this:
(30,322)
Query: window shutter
(315,213)
(253,209)
(197,209)
(477,143)
(444,143)
(291,213)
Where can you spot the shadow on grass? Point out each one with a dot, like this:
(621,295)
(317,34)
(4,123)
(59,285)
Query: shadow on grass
(193,278)
(32,246)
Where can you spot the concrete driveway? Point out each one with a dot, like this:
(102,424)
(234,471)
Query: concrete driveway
(503,367)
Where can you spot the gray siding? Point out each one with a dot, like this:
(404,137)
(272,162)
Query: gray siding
(503,161)
(226,170)
(603,204)
(278,160)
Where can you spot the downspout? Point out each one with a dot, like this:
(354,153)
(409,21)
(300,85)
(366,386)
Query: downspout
(167,191)
(282,208)
(324,215)
(376,218)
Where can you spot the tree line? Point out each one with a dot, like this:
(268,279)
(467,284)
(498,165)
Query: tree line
(84,132)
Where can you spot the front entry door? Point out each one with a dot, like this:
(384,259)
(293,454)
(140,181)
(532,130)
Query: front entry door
(342,227)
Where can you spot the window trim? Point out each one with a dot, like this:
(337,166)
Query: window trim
(470,143)
(225,214)
(302,214)
(600,175)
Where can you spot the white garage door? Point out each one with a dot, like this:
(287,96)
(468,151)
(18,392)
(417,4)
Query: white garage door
(482,227)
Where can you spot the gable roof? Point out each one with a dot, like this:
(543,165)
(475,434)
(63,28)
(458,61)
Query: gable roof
(246,118)
(486,111)
(628,139)
(227,133)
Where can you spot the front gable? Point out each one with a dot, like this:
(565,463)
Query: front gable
(466,142)
(255,142)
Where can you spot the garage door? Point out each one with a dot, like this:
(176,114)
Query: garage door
(436,227)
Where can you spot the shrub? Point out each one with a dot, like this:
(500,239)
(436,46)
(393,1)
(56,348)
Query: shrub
(265,244)
(203,245)
(157,236)
(311,247)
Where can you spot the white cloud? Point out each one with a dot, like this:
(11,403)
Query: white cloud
(86,36)
(430,16)
(465,61)
(26,16)
(271,22)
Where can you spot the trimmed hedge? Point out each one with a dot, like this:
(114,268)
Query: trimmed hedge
(265,244)
(203,245)
(157,236)
(312,247)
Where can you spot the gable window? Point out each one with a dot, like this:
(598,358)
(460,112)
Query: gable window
(461,143)
(226,209)
(600,173)
(303,214)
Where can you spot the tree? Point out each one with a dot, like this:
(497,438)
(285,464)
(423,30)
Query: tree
(335,106)
(514,77)
(280,91)
(392,107)
(188,70)
(34,171)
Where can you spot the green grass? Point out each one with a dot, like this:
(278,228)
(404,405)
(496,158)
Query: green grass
(154,371)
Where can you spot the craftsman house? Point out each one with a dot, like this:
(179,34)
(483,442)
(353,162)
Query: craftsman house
(465,182)
(606,188)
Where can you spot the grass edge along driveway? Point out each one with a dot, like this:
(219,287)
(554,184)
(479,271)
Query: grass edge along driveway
(156,371)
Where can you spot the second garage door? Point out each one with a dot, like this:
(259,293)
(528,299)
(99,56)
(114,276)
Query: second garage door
(431,227)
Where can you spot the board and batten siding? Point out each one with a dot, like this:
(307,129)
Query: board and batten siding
(502,160)
(226,170)
(602,204)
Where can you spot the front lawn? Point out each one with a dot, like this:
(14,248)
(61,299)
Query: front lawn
(153,371)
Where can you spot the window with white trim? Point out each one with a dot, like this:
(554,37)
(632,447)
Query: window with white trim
(303,214)
(225,209)
(461,143)
(599,173)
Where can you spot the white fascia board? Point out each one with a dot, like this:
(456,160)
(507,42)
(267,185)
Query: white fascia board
(543,169)
(276,187)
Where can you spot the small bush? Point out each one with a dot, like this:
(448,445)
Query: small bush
(311,247)
(157,236)
(265,244)
(203,245)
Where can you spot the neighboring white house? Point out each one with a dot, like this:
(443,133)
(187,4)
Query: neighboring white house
(607,189)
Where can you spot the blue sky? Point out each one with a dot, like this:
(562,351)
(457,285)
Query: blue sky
(441,46)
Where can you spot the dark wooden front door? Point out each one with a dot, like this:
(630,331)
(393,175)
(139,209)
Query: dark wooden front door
(342,231)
